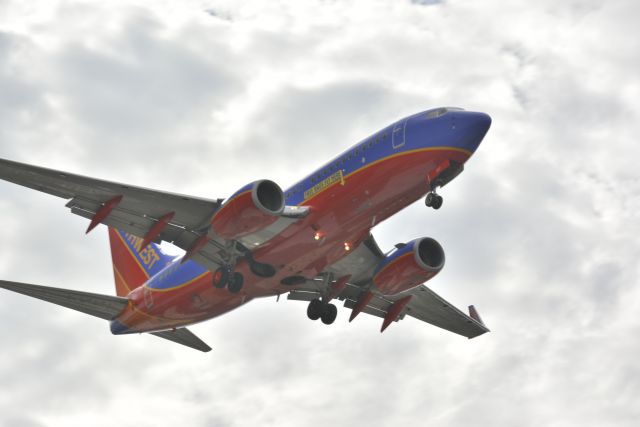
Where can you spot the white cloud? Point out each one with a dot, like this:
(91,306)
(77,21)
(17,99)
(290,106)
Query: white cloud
(201,97)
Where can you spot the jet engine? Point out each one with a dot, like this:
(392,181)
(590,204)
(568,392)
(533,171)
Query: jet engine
(250,209)
(410,265)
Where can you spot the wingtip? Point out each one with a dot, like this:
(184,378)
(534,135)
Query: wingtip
(473,313)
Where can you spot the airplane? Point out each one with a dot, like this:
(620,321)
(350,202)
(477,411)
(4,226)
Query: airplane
(311,242)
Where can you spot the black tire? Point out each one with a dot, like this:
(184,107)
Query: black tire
(330,314)
(221,277)
(236,282)
(429,200)
(438,202)
(315,309)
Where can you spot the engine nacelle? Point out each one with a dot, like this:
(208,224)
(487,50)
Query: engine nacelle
(250,209)
(409,266)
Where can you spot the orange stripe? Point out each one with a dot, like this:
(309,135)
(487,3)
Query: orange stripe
(124,282)
(136,310)
(179,286)
(394,261)
(418,150)
(228,202)
(133,255)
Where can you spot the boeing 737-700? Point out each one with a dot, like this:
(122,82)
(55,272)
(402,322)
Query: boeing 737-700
(311,241)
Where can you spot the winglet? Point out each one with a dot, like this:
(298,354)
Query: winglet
(473,313)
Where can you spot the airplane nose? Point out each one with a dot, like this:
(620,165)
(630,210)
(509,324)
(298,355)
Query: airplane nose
(470,127)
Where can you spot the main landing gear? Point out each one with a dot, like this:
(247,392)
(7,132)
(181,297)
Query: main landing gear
(318,309)
(224,277)
(433,200)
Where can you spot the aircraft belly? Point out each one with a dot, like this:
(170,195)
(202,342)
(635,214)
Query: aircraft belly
(344,213)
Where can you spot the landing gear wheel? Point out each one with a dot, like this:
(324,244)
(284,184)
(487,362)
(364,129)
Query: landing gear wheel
(430,199)
(315,309)
(438,202)
(329,315)
(433,200)
(235,283)
(221,277)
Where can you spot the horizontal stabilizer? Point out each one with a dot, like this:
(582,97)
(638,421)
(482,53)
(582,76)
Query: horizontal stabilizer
(103,306)
(185,337)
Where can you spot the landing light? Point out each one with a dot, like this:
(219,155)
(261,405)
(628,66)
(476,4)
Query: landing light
(317,236)
(347,246)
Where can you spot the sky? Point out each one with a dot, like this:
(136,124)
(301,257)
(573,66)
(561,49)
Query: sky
(202,97)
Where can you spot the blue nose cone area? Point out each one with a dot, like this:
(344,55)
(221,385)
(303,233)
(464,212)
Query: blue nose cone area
(469,128)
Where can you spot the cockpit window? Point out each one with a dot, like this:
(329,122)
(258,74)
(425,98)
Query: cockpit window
(432,114)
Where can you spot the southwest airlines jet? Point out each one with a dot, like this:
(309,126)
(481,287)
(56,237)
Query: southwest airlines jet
(312,241)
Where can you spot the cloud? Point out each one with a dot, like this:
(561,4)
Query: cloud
(539,230)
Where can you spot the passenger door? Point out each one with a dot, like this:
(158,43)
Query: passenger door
(397,136)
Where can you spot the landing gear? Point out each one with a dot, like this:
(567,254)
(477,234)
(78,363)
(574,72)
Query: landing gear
(315,309)
(260,269)
(235,283)
(433,200)
(329,315)
(318,309)
(221,277)
(224,277)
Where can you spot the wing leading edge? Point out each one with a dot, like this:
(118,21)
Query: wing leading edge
(179,219)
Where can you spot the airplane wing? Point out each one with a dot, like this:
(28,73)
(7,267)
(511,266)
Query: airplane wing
(429,307)
(131,209)
(421,302)
(103,306)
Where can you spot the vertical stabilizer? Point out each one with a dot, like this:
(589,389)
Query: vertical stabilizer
(132,266)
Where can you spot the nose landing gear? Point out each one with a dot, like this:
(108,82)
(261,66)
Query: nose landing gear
(433,200)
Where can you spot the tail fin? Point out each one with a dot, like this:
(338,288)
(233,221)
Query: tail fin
(132,266)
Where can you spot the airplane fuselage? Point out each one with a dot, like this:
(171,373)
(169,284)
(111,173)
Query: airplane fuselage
(347,197)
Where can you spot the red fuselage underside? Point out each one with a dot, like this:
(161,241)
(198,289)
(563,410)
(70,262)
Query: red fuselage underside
(344,212)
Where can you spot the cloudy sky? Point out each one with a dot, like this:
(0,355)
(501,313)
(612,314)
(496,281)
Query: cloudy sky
(201,97)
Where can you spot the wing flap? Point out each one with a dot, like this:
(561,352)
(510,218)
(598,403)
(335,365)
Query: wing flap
(103,306)
(185,337)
